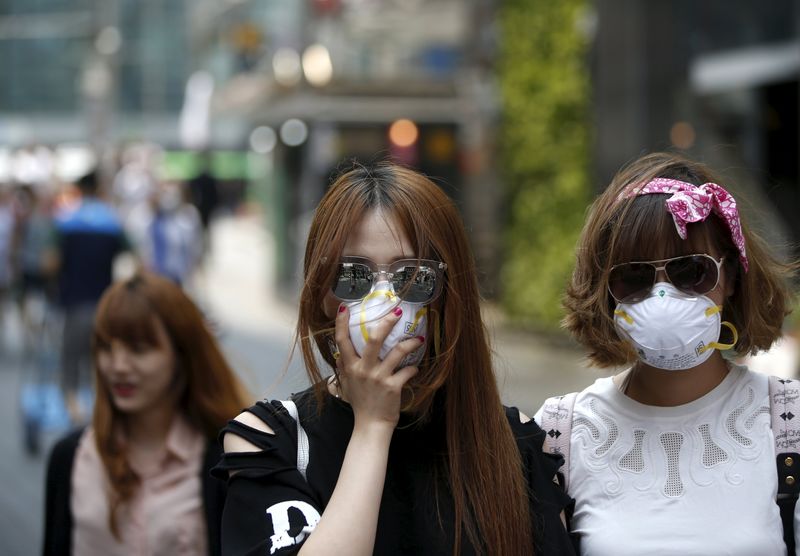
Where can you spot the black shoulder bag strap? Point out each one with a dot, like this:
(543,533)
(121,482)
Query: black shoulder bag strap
(784,404)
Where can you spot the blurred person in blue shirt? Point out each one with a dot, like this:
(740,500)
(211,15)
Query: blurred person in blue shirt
(89,236)
(167,233)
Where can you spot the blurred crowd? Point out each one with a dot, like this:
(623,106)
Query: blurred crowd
(63,228)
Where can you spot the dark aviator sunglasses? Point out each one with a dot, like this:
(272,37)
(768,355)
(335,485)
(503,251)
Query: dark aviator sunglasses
(692,274)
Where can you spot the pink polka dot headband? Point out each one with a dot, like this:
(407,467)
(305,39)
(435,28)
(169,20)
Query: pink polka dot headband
(692,203)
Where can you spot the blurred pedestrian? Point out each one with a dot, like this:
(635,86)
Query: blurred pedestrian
(136,481)
(675,454)
(34,259)
(204,193)
(167,233)
(135,181)
(7,228)
(89,236)
(404,448)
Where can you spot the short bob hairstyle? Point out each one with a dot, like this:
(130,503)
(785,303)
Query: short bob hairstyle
(640,228)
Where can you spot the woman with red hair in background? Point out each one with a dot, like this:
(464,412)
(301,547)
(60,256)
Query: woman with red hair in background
(136,480)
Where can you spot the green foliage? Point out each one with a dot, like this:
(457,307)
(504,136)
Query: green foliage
(544,141)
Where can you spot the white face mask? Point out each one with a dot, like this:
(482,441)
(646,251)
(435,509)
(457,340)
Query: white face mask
(672,330)
(381,300)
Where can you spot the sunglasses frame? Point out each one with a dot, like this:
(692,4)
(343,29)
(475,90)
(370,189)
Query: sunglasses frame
(389,270)
(663,266)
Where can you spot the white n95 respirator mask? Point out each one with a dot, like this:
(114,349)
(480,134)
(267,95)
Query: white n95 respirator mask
(379,302)
(671,330)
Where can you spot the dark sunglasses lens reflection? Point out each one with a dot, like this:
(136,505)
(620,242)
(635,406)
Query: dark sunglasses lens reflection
(353,281)
(632,281)
(415,284)
(693,274)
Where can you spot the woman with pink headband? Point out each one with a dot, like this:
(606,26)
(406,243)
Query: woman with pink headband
(675,454)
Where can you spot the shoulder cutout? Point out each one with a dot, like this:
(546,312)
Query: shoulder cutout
(523,418)
(232,442)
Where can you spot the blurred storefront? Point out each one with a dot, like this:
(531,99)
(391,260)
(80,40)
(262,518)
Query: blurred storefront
(283,91)
(717,79)
(280,92)
(310,86)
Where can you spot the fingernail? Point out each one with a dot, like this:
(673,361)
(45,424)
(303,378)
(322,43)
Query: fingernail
(342,308)
(398,311)
(421,339)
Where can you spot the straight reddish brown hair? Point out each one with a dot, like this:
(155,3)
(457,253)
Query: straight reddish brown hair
(484,468)
(211,393)
(639,228)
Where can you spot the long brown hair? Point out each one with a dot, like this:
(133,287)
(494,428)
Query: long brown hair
(211,393)
(484,467)
(640,228)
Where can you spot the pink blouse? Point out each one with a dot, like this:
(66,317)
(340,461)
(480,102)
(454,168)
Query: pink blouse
(165,515)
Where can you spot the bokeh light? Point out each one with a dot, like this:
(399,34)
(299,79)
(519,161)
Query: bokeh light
(263,139)
(403,133)
(294,132)
(317,65)
(286,67)
(682,135)
(108,41)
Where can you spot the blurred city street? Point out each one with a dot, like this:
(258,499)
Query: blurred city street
(256,328)
(196,139)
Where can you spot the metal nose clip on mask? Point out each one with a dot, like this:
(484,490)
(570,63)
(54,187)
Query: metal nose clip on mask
(380,301)
(671,330)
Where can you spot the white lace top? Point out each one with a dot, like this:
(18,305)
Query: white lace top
(695,479)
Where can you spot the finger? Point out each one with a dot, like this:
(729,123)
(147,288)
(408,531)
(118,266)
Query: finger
(339,373)
(377,335)
(399,379)
(401,350)
(342,335)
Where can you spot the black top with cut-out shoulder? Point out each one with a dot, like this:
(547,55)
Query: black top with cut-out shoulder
(270,505)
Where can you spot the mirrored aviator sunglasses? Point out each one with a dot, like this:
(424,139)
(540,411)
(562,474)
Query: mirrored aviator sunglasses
(692,274)
(413,280)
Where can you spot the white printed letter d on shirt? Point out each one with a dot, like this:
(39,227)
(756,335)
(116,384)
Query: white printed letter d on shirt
(280,523)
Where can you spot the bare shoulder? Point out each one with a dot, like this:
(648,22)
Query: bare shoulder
(234,443)
(523,418)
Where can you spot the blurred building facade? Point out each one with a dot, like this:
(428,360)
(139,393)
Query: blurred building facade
(293,88)
(717,79)
(296,87)
(101,70)
(312,84)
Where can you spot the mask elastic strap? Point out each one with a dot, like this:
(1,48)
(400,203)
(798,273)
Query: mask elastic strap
(417,316)
(363,317)
(437,339)
(624,315)
(718,345)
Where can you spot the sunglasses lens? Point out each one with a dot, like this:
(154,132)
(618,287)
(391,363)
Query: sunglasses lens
(415,284)
(694,274)
(353,281)
(631,281)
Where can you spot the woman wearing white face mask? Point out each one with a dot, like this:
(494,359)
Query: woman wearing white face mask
(674,455)
(405,447)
